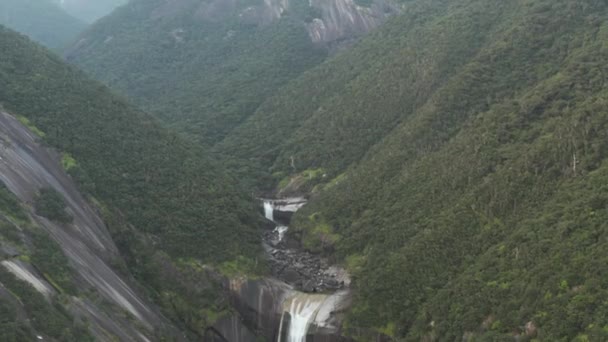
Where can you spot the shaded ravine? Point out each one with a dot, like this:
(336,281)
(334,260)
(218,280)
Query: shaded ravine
(299,268)
(318,288)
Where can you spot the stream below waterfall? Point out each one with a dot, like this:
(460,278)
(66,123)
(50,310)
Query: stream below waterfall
(319,287)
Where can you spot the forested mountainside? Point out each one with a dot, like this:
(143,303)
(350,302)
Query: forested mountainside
(455,159)
(461,151)
(42,20)
(89,10)
(167,205)
(204,66)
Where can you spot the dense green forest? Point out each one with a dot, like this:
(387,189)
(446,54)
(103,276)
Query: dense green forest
(202,73)
(42,20)
(473,139)
(169,206)
(455,158)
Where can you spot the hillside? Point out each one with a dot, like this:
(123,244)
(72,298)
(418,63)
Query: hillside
(204,67)
(455,161)
(458,155)
(168,207)
(42,21)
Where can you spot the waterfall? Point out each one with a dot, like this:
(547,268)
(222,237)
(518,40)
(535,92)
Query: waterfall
(302,309)
(281,230)
(269,210)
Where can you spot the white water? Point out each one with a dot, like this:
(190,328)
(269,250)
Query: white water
(281,230)
(269,210)
(302,309)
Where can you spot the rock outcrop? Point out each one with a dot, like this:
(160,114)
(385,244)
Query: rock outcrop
(263,307)
(344,19)
(330,21)
(26,166)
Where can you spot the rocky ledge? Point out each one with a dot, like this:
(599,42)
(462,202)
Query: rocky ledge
(301,269)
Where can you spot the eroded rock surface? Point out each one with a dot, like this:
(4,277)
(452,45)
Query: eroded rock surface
(264,307)
(26,166)
(344,19)
(299,268)
(333,20)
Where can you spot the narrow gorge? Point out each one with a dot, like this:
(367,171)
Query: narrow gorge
(305,298)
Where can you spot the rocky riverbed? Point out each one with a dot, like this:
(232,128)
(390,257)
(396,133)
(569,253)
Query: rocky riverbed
(301,269)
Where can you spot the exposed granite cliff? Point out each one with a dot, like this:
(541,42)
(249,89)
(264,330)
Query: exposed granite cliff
(344,19)
(327,21)
(26,166)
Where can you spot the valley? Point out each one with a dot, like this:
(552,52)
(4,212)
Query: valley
(297,171)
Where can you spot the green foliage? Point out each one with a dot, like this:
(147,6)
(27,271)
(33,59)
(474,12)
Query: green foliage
(50,260)
(10,206)
(47,318)
(304,182)
(51,204)
(159,183)
(202,76)
(320,236)
(472,136)
(11,328)
(26,122)
(241,266)
(163,198)
(41,20)
(473,139)
(68,162)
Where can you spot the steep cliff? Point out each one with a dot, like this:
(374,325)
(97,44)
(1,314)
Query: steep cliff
(343,19)
(100,294)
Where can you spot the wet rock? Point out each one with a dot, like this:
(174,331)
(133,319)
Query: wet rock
(309,286)
(7,251)
(232,329)
(291,276)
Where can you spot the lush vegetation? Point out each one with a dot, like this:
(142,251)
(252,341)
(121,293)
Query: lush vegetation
(161,184)
(47,318)
(457,157)
(474,138)
(201,72)
(50,204)
(24,312)
(41,20)
(164,199)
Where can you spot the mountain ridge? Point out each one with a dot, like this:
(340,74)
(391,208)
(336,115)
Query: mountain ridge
(200,66)
(43,21)
(168,206)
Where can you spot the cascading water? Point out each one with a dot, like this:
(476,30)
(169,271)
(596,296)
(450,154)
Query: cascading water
(302,309)
(302,313)
(281,230)
(269,210)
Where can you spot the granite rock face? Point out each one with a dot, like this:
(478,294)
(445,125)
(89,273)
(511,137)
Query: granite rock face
(26,166)
(331,20)
(344,19)
(263,308)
